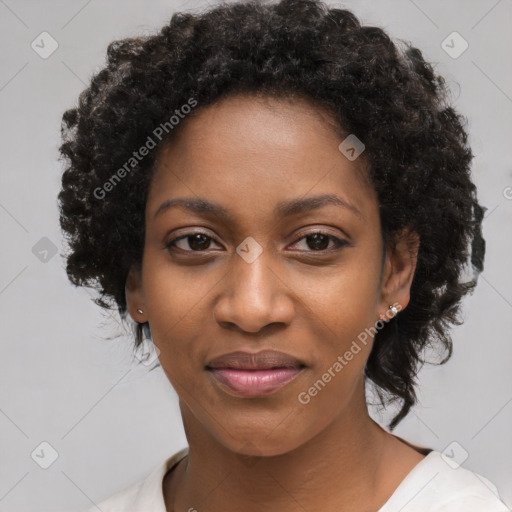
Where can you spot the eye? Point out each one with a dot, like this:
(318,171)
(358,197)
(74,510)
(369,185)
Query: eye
(196,241)
(318,241)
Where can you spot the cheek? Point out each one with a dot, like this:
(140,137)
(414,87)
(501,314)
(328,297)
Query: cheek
(344,309)
(340,356)
(174,303)
(174,294)
(346,300)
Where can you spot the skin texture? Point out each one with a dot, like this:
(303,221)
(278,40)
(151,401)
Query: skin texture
(248,154)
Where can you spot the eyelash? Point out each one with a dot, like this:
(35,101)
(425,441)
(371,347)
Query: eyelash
(339,243)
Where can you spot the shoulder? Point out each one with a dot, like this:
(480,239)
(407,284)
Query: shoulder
(141,496)
(436,484)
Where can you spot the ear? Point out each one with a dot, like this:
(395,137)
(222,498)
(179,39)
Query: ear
(398,272)
(134,295)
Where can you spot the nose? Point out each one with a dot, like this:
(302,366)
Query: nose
(254,295)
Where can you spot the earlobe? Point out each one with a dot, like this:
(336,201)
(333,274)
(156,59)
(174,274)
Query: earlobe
(134,295)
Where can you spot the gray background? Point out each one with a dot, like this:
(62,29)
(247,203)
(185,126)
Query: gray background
(112,421)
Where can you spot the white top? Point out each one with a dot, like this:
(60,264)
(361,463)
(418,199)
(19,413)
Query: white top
(431,486)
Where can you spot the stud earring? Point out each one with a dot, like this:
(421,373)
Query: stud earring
(140,311)
(393,309)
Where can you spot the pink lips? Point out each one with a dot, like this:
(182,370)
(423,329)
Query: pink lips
(255,382)
(254,374)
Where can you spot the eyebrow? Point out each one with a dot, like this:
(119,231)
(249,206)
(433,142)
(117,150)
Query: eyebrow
(283,209)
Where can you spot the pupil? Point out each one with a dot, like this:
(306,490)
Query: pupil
(198,242)
(317,241)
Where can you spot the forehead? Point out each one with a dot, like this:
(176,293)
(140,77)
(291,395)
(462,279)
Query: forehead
(249,152)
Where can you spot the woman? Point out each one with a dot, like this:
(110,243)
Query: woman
(280,198)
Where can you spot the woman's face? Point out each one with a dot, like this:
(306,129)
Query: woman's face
(289,259)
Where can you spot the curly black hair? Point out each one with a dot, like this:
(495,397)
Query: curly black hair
(416,151)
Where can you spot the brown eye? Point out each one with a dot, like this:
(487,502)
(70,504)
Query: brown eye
(198,242)
(319,241)
(195,241)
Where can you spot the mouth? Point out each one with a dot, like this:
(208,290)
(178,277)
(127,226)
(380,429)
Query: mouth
(254,374)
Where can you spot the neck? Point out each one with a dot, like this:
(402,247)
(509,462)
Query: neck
(334,469)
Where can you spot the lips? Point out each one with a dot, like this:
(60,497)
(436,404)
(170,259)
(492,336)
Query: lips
(248,374)
(264,360)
